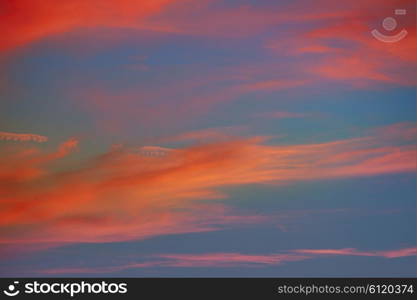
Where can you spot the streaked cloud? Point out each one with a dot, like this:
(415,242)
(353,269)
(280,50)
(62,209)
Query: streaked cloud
(354,252)
(22,137)
(232,260)
(283,115)
(27,21)
(123,195)
(27,164)
(177,78)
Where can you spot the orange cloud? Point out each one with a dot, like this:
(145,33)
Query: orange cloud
(344,50)
(124,195)
(121,195)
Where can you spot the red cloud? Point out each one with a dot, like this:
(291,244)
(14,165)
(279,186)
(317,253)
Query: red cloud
(344,49)
(26,164)
(22,137)
(334,37)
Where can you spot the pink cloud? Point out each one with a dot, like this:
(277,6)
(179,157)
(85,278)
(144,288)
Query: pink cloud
(283,115)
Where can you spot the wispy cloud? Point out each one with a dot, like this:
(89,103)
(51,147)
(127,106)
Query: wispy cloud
(123,195)
(359,60)
(282,115)
(354,252)
(201,56)
(27,164)
(231,260)
(49,17)
(22,137)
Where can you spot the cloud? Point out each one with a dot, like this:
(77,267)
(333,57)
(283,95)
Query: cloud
(123,195)
(341,31)
(27,21)
(341,48)
(154,151)
(22,137)
(330,42)
(209,260)
(406,131)
(231,260)
(228,259)
(282,115)
(354,252)
(188,98)
(26,164)
(205,135)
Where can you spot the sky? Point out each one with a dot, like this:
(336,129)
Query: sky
(210,138)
